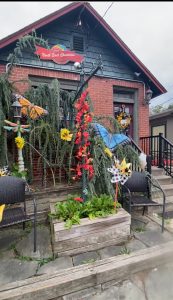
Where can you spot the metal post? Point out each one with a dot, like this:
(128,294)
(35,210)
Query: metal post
(148,158)
(160,164)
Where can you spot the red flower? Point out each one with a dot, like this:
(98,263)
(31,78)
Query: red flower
(85,134)
(85,107)
(82,151)
(83,118)
(78,169)
(78,199)
(88,118)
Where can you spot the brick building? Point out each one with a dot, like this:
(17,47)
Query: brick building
(80,28)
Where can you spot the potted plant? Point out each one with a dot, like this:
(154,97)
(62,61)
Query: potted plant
(78,226)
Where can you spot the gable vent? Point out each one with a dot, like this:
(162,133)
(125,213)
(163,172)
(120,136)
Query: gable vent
(78,43)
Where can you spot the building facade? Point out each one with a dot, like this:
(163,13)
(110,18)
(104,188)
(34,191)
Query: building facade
(162,123)
(79,28)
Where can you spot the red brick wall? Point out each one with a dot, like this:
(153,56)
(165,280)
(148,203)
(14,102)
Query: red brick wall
(101,91)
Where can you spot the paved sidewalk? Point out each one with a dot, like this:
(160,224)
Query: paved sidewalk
(153,284)
(16,250)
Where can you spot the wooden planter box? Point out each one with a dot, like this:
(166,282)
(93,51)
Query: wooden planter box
(90,234)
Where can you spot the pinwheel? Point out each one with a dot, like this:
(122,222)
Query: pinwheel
(120,172)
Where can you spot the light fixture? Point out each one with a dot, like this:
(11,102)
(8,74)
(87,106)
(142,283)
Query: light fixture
(77,65)
(148,96)
(16,109)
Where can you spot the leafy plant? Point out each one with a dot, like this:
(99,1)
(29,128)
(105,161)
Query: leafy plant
(88,261)
(71,211)
(15,171)
(140,229)
(44,261)
(125,250)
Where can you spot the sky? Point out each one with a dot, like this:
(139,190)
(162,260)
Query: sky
(145,27)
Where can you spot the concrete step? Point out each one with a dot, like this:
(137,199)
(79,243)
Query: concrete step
(158,209)
(163,179)
(157,171)
(167,188)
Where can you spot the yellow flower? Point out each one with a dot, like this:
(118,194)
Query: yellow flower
(1,211)
(65,134)
(2,173)
(124,167)
(20,142)
(108,152)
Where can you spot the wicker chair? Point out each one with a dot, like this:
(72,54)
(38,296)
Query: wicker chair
(136,192)
(12,194)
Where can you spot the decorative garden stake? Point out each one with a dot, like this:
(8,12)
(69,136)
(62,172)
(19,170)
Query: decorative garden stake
(121,173)
(18,128)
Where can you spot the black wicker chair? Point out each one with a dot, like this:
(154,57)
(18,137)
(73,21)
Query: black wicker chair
(12,194)
(136,192)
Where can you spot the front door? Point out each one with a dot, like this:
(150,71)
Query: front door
(123,112)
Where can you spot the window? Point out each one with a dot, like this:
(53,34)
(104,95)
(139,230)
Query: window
(70,85)
(159,129)
(123,95)
(78,43)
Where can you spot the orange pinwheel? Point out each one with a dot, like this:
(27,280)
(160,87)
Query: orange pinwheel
(30,110)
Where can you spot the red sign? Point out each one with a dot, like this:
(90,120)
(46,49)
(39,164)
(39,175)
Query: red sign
(58,54)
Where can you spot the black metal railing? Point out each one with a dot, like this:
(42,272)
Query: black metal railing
(161,151)
(135,166)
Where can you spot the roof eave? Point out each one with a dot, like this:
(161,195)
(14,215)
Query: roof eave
(47,19)
(37,24)
(127,50)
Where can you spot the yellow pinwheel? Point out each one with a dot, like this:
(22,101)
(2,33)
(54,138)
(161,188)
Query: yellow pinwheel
(2,207)
(124,167)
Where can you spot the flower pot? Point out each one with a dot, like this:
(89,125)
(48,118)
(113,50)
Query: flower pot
(90,235)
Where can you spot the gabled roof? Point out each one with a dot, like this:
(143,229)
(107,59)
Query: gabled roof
(63,11)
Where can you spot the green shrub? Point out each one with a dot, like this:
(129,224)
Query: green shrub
(71,211)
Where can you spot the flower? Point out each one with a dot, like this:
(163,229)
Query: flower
(108,152)
(65,134)
(78,199)
(2,173)
(20,142)
(83,118)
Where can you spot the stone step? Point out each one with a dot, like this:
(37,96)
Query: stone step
(157,171)
(158,209)
(163,179)
(167,188)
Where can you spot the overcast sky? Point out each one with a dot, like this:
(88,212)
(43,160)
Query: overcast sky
(146,28)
